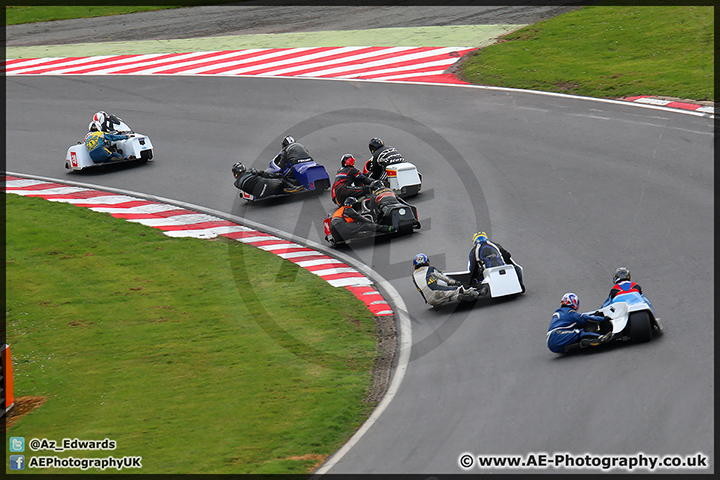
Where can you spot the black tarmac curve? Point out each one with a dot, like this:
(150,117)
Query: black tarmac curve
(572,187)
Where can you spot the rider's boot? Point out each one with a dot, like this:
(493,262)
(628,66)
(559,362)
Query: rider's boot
(595,341)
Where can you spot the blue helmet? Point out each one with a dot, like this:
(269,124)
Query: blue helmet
(421,260)
(570,300)
(480,237)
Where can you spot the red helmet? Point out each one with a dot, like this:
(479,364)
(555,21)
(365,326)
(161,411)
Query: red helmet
(347,160)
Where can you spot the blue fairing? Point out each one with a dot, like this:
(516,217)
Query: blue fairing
(307,173)
(631,298)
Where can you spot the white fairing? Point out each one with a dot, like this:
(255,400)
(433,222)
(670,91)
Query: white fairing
(403,177)
(502,280)
(78,158)
(619,312)
(122,127)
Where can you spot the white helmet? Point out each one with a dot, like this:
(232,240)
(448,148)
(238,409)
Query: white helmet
(100,117)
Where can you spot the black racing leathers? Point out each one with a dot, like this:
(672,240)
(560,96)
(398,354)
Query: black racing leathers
(381,158)
(293,154)
(259,184)
(349,182)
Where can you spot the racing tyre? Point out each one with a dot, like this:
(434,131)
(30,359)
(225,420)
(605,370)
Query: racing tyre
(640,327)
(145,155)
(322,185)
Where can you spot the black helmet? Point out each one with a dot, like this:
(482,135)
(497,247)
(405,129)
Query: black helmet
(350,201)
(347,160)
(377,185)
(238,169)
(621,274)
(375,143)
(287,141)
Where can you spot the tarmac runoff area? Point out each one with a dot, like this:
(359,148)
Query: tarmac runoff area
(462,37)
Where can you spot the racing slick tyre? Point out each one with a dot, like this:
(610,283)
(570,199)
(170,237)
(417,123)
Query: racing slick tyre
(640,327)
(322,185)
(145,155)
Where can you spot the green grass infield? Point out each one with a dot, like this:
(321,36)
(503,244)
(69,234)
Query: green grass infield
(200,356)
(606,52)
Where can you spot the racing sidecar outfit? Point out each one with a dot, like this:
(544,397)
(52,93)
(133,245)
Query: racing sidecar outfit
(346,223)
(381,158)
(437,288)
(97,144)
(566,329)
(349,182)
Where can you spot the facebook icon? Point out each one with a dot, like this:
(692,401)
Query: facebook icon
(17,462)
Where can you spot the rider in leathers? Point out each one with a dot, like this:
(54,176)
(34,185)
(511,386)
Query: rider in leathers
(437,288)
(567,327)
(258,183)
(105,121)
(99,144)
(347,223)
(382,198)
(382,156)
(486,254)
(622,284)
(291,154)
(349,182)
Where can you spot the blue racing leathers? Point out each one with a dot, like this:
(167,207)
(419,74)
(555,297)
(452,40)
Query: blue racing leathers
(97,143)
(566,328)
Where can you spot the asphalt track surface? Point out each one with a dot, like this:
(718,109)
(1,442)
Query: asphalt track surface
(572,187)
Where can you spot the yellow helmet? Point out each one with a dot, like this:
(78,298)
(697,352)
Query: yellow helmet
(479,237)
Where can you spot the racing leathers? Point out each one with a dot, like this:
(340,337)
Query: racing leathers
(485,255)
(382,199)
(110,122)
(98,143)
(349,182)
(567,330)
(260,184)
(381,158)
(619,288)
(347,223)
(290,155)
(622,288)
(437,288)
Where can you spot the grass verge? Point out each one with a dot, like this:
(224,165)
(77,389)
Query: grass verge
(16,15)
(170,346)
(606,52)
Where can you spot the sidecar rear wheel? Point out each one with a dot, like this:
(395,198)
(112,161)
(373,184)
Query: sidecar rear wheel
(640,327)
